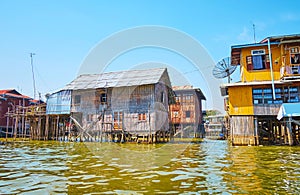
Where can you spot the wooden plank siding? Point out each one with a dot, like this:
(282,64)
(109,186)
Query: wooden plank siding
(253,102)
(266,109)
(240,100)
(137,110)
(248,75)
(186,112)
(242,130)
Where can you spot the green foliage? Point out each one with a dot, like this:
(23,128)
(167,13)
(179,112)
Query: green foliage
(212,112)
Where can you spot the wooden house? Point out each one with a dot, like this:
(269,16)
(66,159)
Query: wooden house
(186,113)
(116,105)
(270,76)
(215,127)
(12,100)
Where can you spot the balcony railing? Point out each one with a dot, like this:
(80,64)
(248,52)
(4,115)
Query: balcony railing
(291,71)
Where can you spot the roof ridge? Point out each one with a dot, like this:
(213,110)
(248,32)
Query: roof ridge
(122,71)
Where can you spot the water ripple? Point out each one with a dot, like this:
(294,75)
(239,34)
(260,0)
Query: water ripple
(211,167)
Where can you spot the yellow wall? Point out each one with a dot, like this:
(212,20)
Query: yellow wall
(240,100)
(260,75)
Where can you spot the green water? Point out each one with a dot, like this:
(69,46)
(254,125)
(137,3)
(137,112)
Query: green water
(209,167)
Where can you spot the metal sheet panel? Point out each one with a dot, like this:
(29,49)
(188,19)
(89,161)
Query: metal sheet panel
(116,79)
(59,103)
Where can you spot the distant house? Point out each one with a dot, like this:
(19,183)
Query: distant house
(131,102)
(186,113)
(11,99)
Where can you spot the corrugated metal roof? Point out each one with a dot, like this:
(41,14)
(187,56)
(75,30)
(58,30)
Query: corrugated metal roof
(253,45)
(281,38)
(189,89)
(116,79)
(12,93)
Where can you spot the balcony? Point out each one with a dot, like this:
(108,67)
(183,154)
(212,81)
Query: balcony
(290,72)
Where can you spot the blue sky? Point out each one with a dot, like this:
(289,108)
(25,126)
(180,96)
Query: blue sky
(62,33)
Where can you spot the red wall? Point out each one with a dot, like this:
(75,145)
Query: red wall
(4,104)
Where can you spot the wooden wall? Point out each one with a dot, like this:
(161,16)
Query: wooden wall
(266,109)
(138,110)
(243,130)
(186,113)
(260,75)
(240,100)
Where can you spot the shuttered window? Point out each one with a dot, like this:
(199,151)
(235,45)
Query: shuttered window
(258,62)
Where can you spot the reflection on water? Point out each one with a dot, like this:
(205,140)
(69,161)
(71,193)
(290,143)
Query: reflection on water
(210,167)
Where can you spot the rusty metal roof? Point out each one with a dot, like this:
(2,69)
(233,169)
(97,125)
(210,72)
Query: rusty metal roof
(13,94)
(187,89)
(118,79)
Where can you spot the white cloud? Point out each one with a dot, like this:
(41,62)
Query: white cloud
(245,35)
(289,17)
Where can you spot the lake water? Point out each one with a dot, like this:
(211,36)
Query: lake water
(209,167)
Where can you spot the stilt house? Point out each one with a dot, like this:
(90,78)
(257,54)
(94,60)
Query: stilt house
(12,101)
(186,113)
(127,103)
(270,78)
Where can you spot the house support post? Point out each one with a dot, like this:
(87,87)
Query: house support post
(290,131)
(256,137)
(46,128)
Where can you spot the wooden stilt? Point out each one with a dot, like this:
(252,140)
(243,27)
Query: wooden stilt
(281,134)
(39,128)
(290,132)
(16,127)
(57,127)
(7,125)
(23,124)
(46,128)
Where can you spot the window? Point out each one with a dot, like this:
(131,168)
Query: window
(258,60)
(268,96)
(103,98)
(257,96)
(258,52)
(187,114)
(77,99)
(291,94)
(265,96)
(187,98)
(142,116)
(282,95)
(162,98)
(295,55)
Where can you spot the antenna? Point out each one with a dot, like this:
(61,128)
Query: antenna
(224,69)
(254,33)
(33,79)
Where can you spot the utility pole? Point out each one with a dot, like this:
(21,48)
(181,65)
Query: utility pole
(33,79)
(254,33)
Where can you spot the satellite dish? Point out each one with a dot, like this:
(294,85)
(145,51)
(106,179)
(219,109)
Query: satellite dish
(224,69)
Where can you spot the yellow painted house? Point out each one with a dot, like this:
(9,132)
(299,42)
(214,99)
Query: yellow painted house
(269,78)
